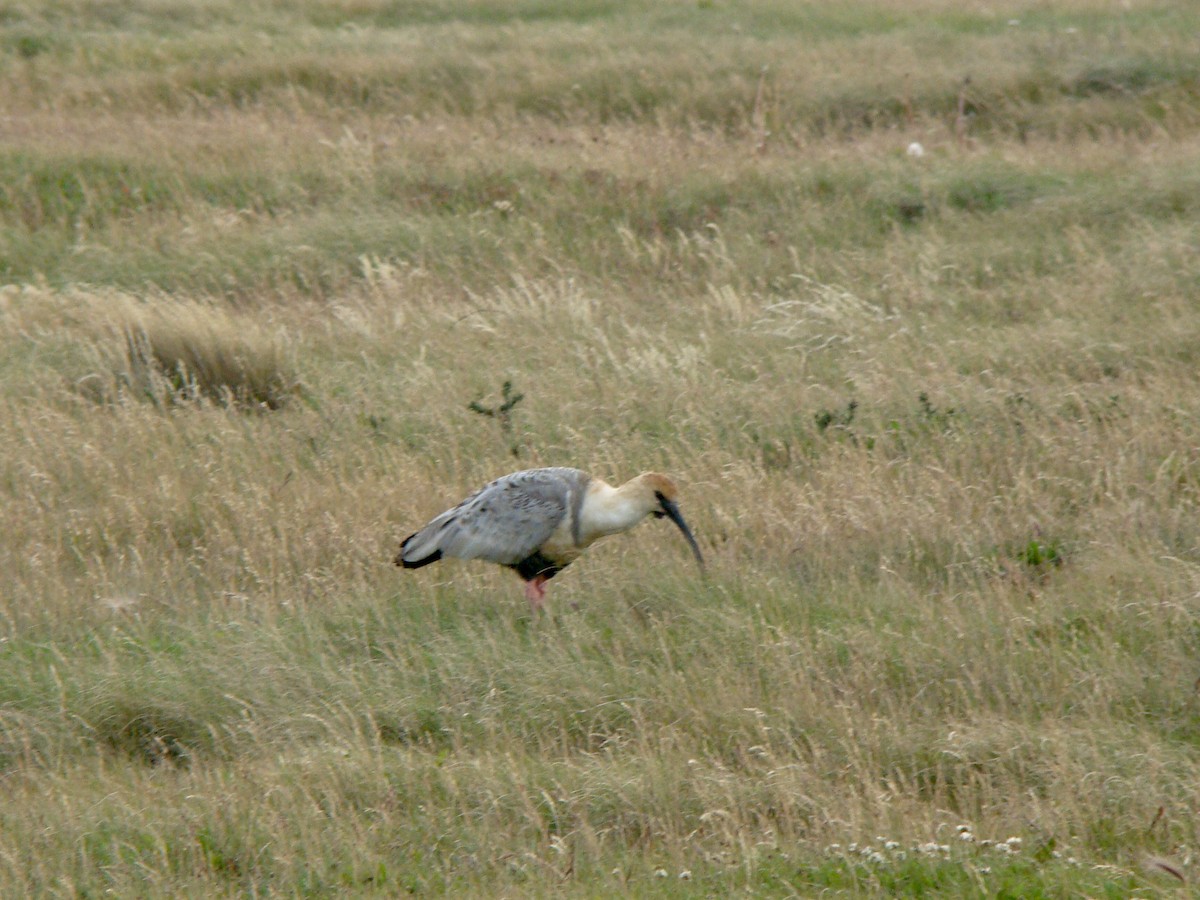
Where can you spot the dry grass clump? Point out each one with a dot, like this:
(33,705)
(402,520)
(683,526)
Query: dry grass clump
(194,351)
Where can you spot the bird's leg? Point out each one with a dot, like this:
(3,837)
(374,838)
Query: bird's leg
(535,592)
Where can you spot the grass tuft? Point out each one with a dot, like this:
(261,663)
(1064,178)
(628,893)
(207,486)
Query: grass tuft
(151,734)
(194,352)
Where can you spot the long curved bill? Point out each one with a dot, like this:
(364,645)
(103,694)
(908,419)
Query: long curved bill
(676,516)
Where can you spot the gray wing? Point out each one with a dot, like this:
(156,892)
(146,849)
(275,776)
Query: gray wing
(504,522)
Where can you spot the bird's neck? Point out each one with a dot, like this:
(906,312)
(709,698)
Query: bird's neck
(609,510)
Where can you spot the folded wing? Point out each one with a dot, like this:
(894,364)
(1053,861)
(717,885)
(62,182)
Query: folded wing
(505,522)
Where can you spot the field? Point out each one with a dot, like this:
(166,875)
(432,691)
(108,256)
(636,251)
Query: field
(280,281)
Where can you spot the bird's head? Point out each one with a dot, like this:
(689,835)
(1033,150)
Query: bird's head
(656,488)
(660,495)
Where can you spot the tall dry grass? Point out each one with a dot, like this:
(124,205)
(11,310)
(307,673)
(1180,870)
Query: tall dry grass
(934,418)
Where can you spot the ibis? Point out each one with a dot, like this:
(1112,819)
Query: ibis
(537,522)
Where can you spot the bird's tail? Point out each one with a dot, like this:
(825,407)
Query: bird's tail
(414,554)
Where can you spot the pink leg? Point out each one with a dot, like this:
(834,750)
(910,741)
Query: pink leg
(535,592)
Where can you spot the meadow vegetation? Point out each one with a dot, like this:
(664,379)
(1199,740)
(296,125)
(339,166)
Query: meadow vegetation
(935,418)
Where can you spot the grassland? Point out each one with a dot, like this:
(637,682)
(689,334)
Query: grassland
(935,418)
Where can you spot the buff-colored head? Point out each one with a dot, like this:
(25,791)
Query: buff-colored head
(656,485)
(659,494)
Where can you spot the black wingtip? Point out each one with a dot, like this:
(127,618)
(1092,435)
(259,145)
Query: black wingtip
(415,563)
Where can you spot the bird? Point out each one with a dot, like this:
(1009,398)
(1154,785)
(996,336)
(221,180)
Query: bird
(539,521)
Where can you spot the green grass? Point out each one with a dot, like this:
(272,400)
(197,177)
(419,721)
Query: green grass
(264,272)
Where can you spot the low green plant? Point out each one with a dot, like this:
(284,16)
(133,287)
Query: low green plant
(502,413)
(837,419)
